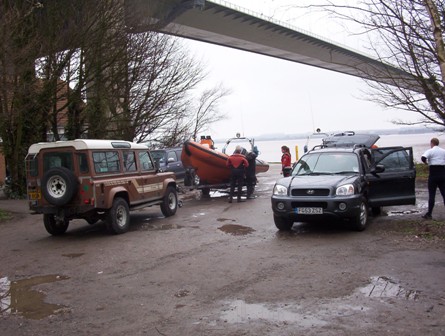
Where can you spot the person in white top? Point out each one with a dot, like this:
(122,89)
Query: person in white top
(435,159)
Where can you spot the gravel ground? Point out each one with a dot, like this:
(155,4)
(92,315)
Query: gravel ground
(223,269)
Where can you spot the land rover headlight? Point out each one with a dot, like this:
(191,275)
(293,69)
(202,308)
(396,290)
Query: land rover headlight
(345,190)
(279,190)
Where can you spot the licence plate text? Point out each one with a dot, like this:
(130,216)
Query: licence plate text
(34,195)
(309,211)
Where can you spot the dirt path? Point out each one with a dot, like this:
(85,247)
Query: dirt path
(223,269)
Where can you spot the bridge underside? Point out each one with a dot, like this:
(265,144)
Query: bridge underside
(216,24)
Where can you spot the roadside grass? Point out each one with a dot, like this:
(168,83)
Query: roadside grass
(421,171)
(419,230)
(4,215)
(428,230)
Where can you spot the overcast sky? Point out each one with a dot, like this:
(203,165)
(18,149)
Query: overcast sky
(271,96)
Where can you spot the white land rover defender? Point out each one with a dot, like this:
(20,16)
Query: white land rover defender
(95,180)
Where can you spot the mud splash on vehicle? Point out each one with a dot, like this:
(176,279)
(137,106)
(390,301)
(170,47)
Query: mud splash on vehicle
(19,297)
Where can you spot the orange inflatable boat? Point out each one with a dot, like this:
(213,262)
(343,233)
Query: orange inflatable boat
(210,164)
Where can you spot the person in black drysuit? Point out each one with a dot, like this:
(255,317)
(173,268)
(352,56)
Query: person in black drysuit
(251,173)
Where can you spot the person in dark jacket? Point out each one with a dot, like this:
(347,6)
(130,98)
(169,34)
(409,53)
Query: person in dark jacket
(251,173)
(237,164)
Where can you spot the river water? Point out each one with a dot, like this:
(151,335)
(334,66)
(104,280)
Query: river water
(271,150)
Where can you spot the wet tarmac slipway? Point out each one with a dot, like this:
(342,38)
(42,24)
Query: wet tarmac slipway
(223,269)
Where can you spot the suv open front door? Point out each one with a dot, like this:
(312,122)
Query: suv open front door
(396,184)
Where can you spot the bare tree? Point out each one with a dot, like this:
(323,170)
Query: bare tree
(20,114)
(153,92)
(198,116)
(207,112)
(410,35)
(79,64)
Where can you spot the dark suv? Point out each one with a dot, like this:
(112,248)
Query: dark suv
(169,160)
(343,180)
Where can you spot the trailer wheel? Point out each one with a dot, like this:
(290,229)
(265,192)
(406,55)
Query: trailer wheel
(205,192)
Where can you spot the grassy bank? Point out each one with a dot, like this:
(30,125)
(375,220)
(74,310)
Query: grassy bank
(421,171)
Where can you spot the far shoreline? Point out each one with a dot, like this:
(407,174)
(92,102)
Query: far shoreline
(395,131)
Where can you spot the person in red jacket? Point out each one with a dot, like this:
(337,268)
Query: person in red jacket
(286,165)
(237,164)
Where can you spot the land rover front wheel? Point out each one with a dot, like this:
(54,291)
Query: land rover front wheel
(55,225)
(118,217)
(59,185)
(169,204)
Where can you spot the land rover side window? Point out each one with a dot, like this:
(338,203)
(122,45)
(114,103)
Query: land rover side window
(129,162)
(82,159)
(145,160)
(106,162)
(57,159)
(32,166)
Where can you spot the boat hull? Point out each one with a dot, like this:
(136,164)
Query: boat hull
(210,164)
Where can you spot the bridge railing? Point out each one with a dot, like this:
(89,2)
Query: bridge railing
(284,24)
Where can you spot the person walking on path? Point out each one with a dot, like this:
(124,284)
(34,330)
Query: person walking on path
(286,161)
(237,164)
(435,159)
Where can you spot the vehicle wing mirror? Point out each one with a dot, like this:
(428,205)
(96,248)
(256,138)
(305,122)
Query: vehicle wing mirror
(170,160)
(378,169)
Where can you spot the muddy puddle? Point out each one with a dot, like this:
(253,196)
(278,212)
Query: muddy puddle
(73,255)
(408,210)
(159,226)
(239,311)
(218,194)
(19,297)
(384,287)
(236,230)
(405,212)
(307,315)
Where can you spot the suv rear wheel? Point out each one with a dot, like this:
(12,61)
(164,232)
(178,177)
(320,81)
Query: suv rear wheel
(283,224)
(169,204)
(118,217)
(55,225)
(59,185)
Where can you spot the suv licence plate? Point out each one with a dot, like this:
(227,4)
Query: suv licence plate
(309,211)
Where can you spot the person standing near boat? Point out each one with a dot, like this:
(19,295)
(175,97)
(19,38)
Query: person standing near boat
(435,159)
(251,172)
(237,164)
(286,165)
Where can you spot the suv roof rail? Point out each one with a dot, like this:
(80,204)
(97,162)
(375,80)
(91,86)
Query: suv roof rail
(346,133)
(318,147)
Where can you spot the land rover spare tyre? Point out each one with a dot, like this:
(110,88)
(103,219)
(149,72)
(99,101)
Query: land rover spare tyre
(59,185)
